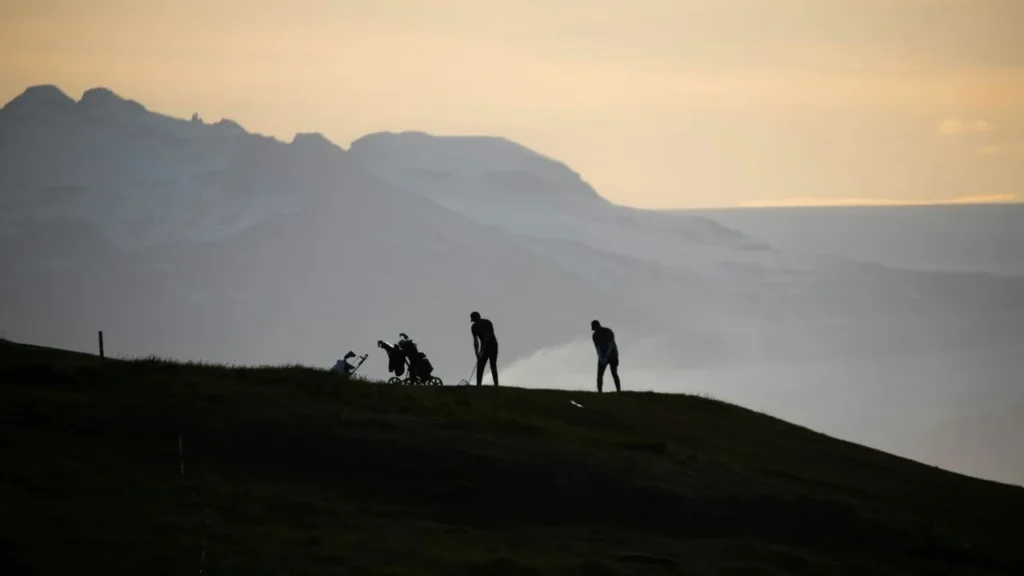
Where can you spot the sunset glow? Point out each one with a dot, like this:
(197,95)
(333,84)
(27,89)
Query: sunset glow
(661,103)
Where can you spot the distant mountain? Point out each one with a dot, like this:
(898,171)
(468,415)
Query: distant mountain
(205,241)
(142,178)
(477,168)
(497,182)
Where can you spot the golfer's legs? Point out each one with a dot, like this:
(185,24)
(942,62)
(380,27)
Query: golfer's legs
(480,364)
(615,376)
(493,357)
(486,356)
(600,375)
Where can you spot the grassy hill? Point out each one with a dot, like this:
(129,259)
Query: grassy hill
(297,471)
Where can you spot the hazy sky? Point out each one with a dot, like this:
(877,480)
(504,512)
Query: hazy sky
(657,103)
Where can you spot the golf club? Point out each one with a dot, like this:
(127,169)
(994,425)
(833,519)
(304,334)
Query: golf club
(466,382)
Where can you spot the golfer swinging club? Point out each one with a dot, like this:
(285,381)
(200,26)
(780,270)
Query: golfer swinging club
(485,346)
(607,354)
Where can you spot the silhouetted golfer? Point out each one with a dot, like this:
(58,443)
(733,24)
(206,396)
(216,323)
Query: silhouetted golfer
(607,354)
(485,346)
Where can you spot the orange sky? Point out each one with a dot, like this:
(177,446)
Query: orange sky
(657,103)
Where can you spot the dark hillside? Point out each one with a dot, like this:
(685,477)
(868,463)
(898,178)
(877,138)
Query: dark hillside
(301,472)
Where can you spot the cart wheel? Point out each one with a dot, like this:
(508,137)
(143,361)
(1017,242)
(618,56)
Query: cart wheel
(395,380)
(435,381)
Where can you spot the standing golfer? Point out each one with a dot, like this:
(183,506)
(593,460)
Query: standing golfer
(485,346)
(607,354)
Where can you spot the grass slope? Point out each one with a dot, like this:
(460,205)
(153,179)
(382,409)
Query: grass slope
(295,471)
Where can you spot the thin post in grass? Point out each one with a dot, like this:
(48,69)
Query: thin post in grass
(101,344)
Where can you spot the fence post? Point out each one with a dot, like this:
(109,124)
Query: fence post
(101,344)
